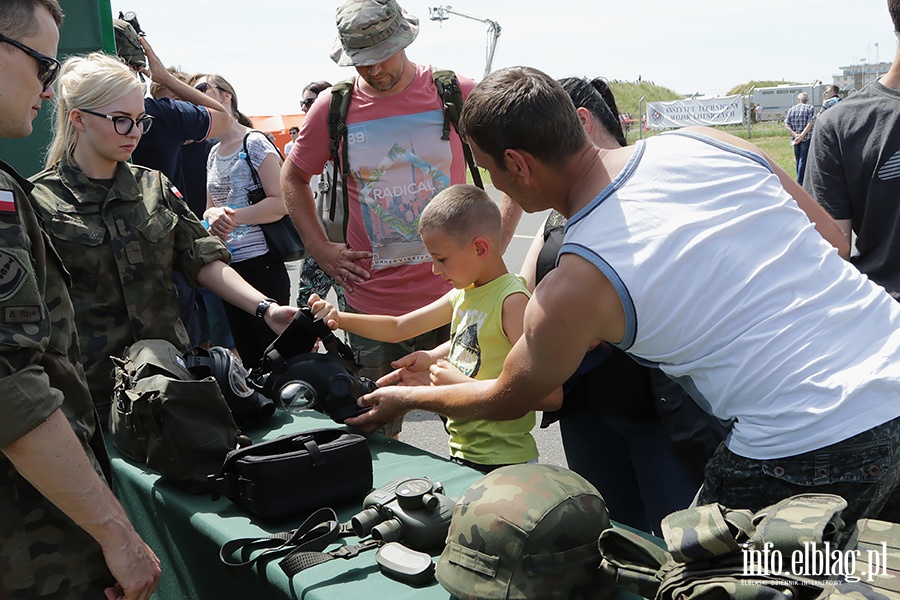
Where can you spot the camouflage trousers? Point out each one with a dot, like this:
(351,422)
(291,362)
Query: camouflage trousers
(863,469)
(376,357)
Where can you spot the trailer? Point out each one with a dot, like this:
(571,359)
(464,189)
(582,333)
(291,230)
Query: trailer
(774,102)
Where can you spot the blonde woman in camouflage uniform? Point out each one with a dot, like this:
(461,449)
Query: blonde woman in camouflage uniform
(122,229)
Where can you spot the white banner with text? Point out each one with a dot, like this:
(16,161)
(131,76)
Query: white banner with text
(695,111)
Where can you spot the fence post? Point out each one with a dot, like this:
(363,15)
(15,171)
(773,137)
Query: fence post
(750,109)
(641,116)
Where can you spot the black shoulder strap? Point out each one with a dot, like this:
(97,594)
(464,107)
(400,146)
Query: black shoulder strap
(257,182)
(451,95)
(337,132)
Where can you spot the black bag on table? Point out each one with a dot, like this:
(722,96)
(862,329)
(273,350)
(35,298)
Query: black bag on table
(296,473)
(161,416)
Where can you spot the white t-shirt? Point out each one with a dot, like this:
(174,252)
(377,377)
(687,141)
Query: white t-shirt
(228,180)
(728,287)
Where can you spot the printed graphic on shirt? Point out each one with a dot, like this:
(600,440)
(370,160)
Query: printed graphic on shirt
(12,275)
(889,170)
(399,164)
(465,350)
(7,202)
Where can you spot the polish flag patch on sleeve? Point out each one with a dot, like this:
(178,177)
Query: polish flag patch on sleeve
(176,192)
(7,202)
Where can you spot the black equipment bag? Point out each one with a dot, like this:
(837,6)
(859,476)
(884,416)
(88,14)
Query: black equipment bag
(161,416)
(296,473)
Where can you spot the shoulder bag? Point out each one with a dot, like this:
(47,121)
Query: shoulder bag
(281,236)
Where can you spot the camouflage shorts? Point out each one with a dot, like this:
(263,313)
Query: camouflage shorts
(376,357)
(863,469)
(313,280)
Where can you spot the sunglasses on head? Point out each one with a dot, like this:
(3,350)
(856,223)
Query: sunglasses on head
(48,67)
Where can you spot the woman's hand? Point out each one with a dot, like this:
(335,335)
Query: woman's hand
(221,221)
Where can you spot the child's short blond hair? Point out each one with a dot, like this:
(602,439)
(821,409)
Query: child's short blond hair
(462,212)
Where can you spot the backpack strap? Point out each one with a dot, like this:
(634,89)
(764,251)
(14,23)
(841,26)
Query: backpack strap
(337,132)
(451,95)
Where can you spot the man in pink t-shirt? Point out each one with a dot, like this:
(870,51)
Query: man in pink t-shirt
(398,163)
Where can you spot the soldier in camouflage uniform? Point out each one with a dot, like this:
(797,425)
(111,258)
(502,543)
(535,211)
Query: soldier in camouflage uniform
(122,229)
(62,533)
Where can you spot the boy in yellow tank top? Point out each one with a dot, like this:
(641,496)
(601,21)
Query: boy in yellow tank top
(486,308)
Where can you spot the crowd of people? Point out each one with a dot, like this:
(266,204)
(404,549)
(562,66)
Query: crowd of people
(699,333)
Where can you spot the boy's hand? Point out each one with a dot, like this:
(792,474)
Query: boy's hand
(416,361)
(444,373)
(324,310)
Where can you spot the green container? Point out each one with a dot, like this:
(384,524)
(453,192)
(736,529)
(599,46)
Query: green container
(87,27)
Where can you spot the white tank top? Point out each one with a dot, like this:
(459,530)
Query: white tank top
(728,287)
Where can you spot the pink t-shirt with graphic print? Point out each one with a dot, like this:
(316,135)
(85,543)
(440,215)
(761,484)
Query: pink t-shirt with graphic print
(398,162)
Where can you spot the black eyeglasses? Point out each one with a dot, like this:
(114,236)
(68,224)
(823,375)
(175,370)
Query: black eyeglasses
(123,124)
(307,103)
(48,67)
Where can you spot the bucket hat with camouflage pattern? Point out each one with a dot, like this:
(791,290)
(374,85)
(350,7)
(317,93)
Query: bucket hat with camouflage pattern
(371,31)
(524,532)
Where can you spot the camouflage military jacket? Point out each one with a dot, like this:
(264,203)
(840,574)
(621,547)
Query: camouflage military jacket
(121,245)
(41,550)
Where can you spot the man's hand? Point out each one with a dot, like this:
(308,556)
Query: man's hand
(339,262)
(158,72)
(136,569)
(405,376)
(278,317)
(388,404)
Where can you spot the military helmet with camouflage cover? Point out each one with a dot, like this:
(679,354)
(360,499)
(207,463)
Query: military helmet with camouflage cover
(128,44)
(524,532)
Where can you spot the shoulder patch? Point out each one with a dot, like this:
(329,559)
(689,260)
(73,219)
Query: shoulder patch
(177,193)
(12,275)
(7,202)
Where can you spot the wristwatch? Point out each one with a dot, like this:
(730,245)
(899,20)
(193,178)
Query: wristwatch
(263,306)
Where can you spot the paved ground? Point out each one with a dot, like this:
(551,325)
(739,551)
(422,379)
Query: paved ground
(425,430)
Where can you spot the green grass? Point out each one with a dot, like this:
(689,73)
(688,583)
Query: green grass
(629,94)
(772,138)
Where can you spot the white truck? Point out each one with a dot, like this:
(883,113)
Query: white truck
(774,102)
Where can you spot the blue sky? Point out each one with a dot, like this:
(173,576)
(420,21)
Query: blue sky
(269,49)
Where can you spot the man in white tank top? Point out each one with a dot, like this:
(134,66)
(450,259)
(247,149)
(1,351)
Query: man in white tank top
(694,252)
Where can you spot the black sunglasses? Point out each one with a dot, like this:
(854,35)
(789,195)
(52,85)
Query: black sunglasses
(48,67)
(205,85)
(308,102)
(121,122)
